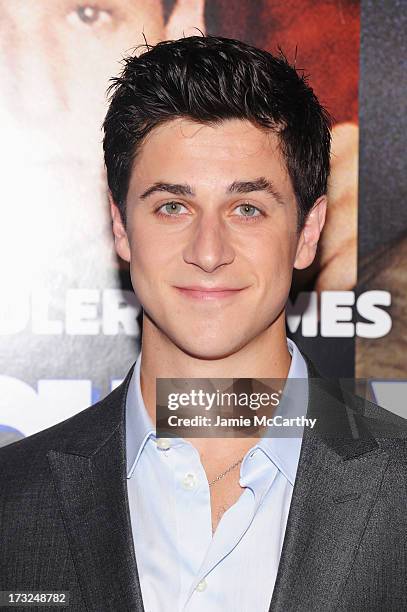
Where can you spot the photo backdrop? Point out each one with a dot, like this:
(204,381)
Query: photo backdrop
(69,320)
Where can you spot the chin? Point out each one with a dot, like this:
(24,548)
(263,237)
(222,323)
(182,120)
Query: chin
(201,347)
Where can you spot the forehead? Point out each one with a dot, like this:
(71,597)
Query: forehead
(185,149)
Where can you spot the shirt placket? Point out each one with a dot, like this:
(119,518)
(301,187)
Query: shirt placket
(193,520)
(257,476)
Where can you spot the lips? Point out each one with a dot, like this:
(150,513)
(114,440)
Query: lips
(209,293)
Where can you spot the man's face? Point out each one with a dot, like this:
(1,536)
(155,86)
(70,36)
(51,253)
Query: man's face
(56,60)
(55,63)
(211,207)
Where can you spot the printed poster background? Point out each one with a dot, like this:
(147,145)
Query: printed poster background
(69,321)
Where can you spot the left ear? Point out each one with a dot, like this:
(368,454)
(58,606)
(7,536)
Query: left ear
(310,233)
(121,240)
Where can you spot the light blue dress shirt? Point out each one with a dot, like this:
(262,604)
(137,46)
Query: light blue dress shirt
(181,565)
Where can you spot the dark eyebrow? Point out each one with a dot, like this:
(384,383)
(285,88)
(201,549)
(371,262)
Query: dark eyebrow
(259,184)
(175,188)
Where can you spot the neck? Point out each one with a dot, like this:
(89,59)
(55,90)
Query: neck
(265,356)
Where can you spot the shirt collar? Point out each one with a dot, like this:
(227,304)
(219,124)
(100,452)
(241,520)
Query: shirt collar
(139,426)
(284,452)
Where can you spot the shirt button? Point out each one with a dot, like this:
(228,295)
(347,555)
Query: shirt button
(201,586)
(163,443)
(189,481)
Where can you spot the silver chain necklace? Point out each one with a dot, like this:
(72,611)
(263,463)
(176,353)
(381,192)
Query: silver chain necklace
(225,472)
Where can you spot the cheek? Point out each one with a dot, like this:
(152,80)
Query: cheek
(149,259)
(271,257)
(142,261)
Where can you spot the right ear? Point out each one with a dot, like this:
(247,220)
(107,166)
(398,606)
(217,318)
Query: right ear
(121,240)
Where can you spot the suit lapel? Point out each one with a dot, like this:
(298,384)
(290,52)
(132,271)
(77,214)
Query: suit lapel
(338,479)
(90,481)
(339,475)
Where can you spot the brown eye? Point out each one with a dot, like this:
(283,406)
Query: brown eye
(90,15)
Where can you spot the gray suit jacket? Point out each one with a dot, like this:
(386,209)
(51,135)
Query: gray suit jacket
(65,522)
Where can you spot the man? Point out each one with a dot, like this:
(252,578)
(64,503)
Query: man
(217,159)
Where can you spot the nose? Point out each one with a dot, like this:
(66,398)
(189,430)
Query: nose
(209,246)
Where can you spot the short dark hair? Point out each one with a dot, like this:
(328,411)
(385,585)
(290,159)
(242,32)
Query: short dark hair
(210,79)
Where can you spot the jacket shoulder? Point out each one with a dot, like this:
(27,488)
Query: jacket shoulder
(371,421)
(380,422)
(377,417)
(81,434)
